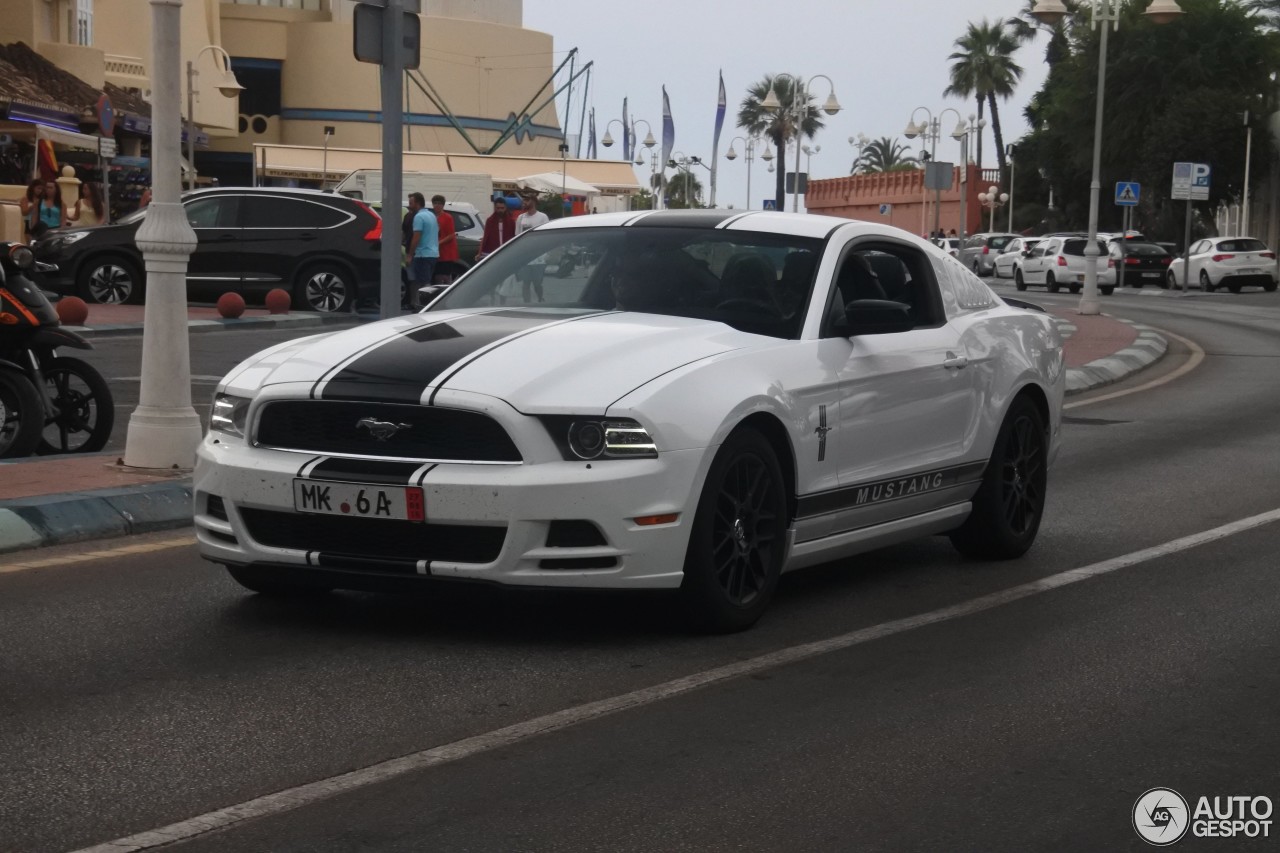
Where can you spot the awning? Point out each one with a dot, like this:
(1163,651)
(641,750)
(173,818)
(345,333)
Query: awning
(556,182)
(309,163)
(604,175)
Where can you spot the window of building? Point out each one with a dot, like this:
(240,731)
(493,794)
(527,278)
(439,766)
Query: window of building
(82,23)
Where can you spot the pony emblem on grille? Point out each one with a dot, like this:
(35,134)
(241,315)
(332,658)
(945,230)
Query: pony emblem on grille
(381,430)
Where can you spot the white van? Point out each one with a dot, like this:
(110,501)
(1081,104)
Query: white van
(463,191)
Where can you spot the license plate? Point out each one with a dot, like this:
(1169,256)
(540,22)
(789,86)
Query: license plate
(1250,272)
(362,500)
(1151,275)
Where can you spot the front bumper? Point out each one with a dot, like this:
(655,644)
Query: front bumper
(522,498)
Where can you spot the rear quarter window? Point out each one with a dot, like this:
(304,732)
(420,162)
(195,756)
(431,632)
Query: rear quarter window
(999,242)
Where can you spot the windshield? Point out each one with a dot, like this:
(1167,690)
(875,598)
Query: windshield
(1143,249)
(755,282)
(1076,247)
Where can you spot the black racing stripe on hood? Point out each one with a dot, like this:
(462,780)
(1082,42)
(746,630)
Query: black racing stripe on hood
(400,370)
(365,471)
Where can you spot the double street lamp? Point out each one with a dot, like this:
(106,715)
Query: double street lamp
(930,131)
(993,200)
(749,154)
(684,163)
(648,143)
(799,108)
(860,142)
(963,132)
(227,84)
(1104,12)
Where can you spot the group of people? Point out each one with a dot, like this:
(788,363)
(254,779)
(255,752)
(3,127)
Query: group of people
(939,234)
(431,242)
(43,210)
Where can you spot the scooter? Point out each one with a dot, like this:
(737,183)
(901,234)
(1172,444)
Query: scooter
(48,403)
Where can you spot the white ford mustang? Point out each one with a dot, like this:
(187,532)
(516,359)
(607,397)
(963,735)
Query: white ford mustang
(697,401)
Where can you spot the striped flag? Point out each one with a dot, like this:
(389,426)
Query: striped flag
(668,137)
(715,139)
(591,136)
(626,132)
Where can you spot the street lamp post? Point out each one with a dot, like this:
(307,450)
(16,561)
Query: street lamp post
(164,429)
(860,142)
(1105,12)
(749,154)
(227,85)
(993,200)
(963,132)
(930,131)
(1011,151)
(649,142)
(324,163)
(800,108)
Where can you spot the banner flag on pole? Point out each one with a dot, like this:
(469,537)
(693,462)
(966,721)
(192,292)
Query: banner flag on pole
(715,139)
(626,132)
(591,136)
(668,136)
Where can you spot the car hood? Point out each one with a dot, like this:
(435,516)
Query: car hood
(540,361)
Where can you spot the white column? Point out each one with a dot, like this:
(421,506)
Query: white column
(164,430)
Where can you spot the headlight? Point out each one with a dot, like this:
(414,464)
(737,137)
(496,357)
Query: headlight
(229,414)
(71,238)
(595,438)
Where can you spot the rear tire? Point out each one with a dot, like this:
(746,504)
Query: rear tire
(110,280)
(737,543)
(265,582)
(1050,282)
(1075,288)
(1106,291)
(1018,281)
(21,415)
(1009,503)
(326,288)
(1234,287)
(1171,281)
(1205,284)
(1269,288)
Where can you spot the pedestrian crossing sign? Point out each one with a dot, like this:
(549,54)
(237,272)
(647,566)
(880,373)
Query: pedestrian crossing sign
(1127,193)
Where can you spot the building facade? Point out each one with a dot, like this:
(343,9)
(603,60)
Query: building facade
(900,199)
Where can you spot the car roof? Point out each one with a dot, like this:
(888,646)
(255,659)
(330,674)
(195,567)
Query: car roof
(777,222)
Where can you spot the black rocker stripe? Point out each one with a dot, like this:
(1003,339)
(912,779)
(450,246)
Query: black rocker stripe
(847,496)
(400,370)
(478,354)
(365,471)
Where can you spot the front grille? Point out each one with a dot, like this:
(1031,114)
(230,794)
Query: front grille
(372,537)
(428,433)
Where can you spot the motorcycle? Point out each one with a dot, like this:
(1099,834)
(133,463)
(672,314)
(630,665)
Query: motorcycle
(48,403)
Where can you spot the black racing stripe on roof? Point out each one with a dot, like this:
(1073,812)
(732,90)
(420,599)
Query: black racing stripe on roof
(641,215)
(401,369)
(836,228)
(365,471)
(688,218)
(733,219)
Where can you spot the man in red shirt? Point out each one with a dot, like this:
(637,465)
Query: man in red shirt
(498,228)
(446,267)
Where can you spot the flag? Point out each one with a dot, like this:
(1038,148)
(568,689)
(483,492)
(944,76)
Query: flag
(591,136)
(715,139)
(47,160)
(626,132)
(668,136)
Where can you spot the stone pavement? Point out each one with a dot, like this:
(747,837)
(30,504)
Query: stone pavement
(56,500)
(113,320)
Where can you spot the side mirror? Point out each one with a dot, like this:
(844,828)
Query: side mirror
(874,317)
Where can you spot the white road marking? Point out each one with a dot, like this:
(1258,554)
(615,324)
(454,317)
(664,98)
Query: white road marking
(302,795)
(106,553)
(1197,356)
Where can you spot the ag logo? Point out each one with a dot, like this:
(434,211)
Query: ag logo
(1161,817)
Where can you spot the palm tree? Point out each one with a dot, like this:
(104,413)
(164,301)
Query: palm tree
(983,68)
(683,189)
(778,126)
(886,154)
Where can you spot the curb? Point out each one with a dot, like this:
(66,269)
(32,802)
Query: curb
(107,513)
(280,321)
(1149,348)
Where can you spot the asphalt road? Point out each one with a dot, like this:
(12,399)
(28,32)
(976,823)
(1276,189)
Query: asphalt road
(146,689)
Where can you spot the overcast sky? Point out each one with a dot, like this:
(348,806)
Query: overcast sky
(886,57)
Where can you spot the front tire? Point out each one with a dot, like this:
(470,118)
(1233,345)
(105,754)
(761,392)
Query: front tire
(1018,281)
(21,415)
(86,410)
(1171,281)
(1009,503)
(736,546)
(326,288)
(110,280)
(1106,291)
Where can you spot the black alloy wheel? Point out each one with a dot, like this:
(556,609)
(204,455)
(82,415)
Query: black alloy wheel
(1009,503)
(737,543)
(1171,281)
(21,415)
(1018,281)
(110,280)
(1207,286)
(326,288)
(84,411)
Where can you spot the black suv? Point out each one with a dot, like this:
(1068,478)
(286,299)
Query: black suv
(320,246)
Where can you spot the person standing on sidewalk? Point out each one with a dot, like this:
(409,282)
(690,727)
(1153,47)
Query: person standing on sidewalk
(498,228)
(530,217)
(424,249)
(446,267)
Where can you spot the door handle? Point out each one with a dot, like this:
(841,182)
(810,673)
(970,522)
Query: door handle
(954,362)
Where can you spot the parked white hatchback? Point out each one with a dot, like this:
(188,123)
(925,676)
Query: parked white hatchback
(1230,262)
(1013,252)
(1059,262)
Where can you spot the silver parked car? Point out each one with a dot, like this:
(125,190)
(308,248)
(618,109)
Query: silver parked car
(980,250)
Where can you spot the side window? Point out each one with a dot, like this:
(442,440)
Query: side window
(216,212)
(462,221)
(1200,247)
(278,212)
(885,271)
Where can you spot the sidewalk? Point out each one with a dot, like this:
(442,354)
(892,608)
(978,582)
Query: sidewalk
(119,320)
(53,501)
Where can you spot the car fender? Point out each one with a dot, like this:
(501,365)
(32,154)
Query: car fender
(54,337)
